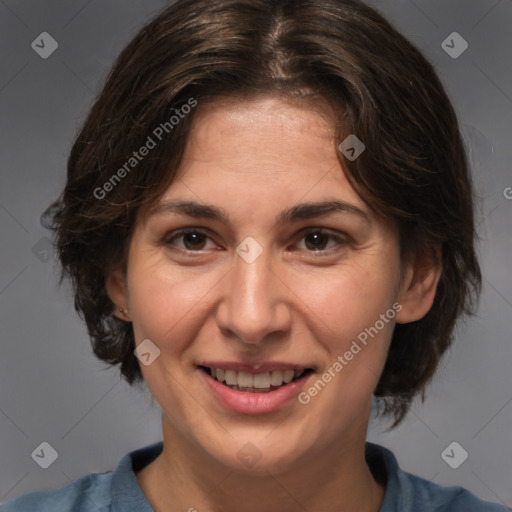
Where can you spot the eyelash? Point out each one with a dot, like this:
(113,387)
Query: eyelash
(342,240)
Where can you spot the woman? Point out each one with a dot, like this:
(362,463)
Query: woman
(268,219)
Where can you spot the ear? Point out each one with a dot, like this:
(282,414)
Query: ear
(419,286)
(115,285)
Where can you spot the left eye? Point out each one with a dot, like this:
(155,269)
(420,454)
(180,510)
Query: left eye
(316,240)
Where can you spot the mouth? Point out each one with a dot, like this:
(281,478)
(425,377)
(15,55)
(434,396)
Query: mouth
(250,382)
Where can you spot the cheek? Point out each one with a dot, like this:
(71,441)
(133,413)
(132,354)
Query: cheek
(164,300)
(359,338)
(348,300)
(355,347)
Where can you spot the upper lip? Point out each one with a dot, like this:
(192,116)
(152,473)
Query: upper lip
(254,368)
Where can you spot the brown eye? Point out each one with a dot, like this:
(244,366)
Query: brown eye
(316,241)
(194,241)
(191,240)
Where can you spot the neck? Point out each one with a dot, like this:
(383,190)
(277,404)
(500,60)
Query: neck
(184,477)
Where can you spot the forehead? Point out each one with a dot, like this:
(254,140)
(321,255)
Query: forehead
(231,128)
(267,142)
(267,154)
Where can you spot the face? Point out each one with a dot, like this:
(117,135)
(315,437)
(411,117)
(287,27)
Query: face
(261,264)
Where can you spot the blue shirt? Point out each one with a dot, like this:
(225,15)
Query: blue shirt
(118,490)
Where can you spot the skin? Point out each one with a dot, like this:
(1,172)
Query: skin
(294,303)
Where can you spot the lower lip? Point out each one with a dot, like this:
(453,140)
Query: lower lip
(254,403)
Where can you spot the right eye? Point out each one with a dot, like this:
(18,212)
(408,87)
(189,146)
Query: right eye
(192,240)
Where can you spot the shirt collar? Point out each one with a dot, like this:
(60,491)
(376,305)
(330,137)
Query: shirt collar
(127,495)
(385,470)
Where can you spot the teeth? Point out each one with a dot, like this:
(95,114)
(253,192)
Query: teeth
(276,378)
(244,380)
(288,376)
(262,381)
(231,378)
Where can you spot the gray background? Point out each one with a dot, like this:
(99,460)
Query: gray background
(52,389)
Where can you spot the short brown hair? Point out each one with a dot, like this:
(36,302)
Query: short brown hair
(414,170)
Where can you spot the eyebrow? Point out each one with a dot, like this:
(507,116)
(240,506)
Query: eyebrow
(297,212)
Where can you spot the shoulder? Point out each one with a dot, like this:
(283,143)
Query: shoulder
(97,492)
(406,492)
(90,493)
(449,499)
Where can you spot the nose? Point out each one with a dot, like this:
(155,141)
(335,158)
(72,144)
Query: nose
(254,306)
